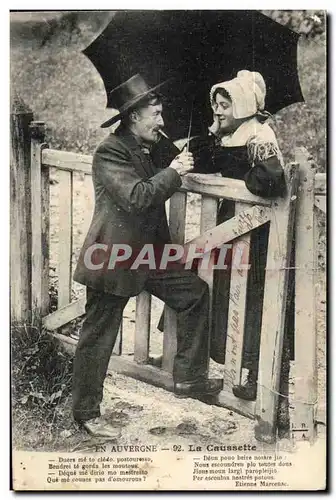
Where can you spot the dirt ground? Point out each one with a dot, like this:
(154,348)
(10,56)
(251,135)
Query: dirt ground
(145,413)
(64,90)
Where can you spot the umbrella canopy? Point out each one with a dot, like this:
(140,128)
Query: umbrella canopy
(193,50)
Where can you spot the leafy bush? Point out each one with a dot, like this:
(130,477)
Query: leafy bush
(42,369)
(311,23)
(41,380)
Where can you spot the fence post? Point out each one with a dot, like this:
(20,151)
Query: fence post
(40,225)
(274,308)
(20,227)
(177,220)
(303,426)
(209,208)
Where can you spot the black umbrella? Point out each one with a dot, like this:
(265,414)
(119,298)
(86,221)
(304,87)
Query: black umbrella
(197,49)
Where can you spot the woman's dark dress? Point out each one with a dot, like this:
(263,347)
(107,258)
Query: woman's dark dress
(266,179)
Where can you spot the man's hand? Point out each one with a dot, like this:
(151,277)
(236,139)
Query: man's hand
(183,163)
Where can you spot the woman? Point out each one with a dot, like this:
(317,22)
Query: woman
(241,145)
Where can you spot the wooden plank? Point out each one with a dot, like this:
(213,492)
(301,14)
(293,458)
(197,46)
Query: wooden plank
(177,217)
(305,370)
(238,225)
(320,185)
(169,339)
(117,349)
(37,133)
(228,400)
(142,327)
(145,373)
(61,317)
(65,239)
(64,315)
(274,309)
(177,220)
(120,364)
(209,207)
(237,306)
(221,187)
(64,160)
(321,203)
(45,204)
(20,219)
(211,185)
(159,378)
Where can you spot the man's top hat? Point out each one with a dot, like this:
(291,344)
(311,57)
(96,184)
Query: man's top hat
(127,95)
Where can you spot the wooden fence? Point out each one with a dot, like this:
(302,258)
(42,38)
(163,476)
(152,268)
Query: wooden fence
(31,160)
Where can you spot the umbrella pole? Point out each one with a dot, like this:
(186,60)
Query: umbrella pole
(190,124)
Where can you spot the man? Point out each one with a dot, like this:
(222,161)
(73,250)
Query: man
(130,195)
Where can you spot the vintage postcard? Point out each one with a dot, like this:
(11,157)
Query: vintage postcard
(168,250)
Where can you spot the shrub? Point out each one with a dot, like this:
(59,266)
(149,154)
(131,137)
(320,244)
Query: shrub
(41,379)
(310,23)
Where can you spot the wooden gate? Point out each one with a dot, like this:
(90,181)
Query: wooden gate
(250,212)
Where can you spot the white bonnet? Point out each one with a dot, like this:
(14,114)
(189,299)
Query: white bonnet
(247,92)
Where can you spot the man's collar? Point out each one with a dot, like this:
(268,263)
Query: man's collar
(132,140)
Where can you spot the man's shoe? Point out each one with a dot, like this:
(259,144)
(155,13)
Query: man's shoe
(98,427)
(204,387)
(248,390)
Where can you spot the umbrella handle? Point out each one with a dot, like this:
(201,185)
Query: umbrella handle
(190,124)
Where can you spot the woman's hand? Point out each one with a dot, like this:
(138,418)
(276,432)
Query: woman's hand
(214,129)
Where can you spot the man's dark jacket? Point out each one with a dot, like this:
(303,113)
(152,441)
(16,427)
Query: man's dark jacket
(130,194)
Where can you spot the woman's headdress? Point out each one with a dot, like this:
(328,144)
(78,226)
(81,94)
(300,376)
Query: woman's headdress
(247,92)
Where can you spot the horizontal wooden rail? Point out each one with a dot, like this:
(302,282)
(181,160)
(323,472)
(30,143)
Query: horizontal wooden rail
(64,160)
(160,378)
(221,187)
(64,315)
(208,184)
(211,185)
(120,364)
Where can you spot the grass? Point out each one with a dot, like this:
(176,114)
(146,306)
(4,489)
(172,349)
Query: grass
(41,388)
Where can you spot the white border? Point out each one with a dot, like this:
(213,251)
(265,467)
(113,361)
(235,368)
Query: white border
(4,197)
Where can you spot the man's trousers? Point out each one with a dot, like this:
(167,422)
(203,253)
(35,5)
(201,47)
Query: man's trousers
(183,291)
